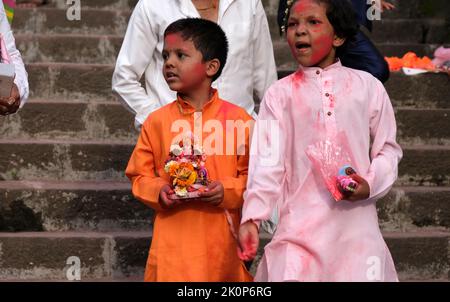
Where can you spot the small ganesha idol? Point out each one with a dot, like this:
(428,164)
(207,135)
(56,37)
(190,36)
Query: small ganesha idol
(186,168)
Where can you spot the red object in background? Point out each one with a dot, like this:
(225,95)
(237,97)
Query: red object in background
(410,60)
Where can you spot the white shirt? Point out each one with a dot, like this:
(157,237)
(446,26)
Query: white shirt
(21,79)
(250,66)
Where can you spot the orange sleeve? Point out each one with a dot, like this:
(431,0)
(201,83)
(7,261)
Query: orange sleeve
(234,187)
(146,185)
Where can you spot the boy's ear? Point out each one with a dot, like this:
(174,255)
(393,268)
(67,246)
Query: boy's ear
(212,67)
(337,42)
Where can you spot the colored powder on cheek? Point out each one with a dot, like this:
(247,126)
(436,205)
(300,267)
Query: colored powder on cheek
(199,70)
(323,45)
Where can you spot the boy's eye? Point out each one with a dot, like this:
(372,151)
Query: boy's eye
(291,24)
(165,56)
(181,55)
(314,22)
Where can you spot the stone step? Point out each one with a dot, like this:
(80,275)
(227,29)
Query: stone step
(106,160)
(428,90)
(109,206)
(63,160)
(103,49)
(94,119)
(41,119)
(413,208)
(97,4)
(114,22)
(44,255)
(49,20)
(435,31)
(70,81)
(63,206)
(405,8)
(418,9)
(90,49)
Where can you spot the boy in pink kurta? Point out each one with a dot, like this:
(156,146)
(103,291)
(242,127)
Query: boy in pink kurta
(319,239)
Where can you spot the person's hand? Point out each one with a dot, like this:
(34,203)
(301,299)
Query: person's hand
(386,6)
(248,241)
(214,194)
(10,105)
(362,191)
(164,200)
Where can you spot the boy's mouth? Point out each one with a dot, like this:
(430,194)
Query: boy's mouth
(171,75)
(302,47)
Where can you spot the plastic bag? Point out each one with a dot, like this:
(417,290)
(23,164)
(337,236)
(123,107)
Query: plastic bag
(332,159)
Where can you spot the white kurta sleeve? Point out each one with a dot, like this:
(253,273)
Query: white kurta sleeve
(385,153)
(267,162)
(134,57)
(21,78)
(264,68)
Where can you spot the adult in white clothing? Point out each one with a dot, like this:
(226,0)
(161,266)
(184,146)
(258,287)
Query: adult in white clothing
(250,67)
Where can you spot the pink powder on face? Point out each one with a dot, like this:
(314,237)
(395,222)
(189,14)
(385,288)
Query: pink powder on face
(301,6)
(322,46)
(199,69)
(173,38)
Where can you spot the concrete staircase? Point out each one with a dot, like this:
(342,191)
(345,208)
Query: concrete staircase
(63,192)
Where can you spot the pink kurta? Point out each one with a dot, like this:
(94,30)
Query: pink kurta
(319,239)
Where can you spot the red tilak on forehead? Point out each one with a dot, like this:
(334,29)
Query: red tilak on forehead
(174,38)
(302,5)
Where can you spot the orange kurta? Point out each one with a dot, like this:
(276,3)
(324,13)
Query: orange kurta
(193,241)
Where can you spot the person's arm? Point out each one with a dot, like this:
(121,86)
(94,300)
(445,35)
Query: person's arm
(264,67)
(146,185)
(21,90)
(385,153)
(134,57)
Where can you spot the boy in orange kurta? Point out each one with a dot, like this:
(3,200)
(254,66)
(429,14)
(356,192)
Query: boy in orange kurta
(194,240)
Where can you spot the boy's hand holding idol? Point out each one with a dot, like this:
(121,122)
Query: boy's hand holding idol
(189,177)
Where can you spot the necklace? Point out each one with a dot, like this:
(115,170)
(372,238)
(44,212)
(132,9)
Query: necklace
(213,6)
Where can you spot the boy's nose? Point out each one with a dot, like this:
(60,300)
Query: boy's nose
(300,30)
(169,62)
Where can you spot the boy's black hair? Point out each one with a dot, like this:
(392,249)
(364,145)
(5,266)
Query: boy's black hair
(342,17)
(207,37)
